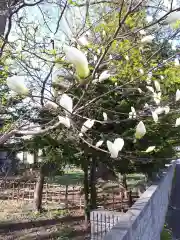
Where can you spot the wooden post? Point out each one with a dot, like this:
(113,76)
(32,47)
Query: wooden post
(66,197)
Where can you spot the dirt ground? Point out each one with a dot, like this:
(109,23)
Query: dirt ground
(19,222)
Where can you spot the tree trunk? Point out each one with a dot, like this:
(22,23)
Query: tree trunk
(3,19)
(124,180)
(35,156)
(38,192)
(86,193)
(93,193)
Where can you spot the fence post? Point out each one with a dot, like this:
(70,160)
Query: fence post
(66,197)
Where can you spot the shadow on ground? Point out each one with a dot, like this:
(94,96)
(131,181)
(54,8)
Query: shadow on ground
(45,229)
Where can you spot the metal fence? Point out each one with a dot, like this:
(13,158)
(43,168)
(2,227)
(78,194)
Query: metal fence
(102,222)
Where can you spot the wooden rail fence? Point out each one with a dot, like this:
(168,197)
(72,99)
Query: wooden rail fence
(67,196)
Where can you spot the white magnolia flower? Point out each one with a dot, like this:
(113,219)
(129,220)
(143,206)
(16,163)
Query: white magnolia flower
(104,76)
(88,124)
(150,88)
(132,114)
(177,122)
(150,149)
(157,97)
(157,86)
(16,84)
(166,109)
(174,47)
(104,33)
(142,32)
(83,41)
(147,39)
(51,105)
(149,76)
(141,71)
(66,102)
(146,105)
(115,147)
(155,117)
(177,95)
(79,60)
(133,110)
(140,130)
(172,18)
(99,143)
(105,116)
(110,57)
(65,121)
(176,62)
(127,58)
(139,90)
(149,18)
(95,58)
(162,77)
(159,110)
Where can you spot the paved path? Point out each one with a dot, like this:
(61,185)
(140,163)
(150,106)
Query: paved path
(173,216)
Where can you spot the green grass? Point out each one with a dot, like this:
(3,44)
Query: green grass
(71,178)
(166,234)
(76,177)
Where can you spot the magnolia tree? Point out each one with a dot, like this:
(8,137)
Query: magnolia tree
(102,72)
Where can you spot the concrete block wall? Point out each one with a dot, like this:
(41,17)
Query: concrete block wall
(144,221)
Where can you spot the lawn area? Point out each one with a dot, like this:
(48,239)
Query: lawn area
(70,178)
(76,177)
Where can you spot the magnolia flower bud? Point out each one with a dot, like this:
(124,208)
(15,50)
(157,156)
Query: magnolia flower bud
(127,58)
(16,84)
(132,114)
(79,60)
(155,117)
(139,90)
(157,97)
(157,86)
(140,130)
(150,88)
(99,143)
(87,125)
(150,149)
(177,122)
(141,71)
(105,116)
(176,62)
(177,95)
(115,147)
(162,77)
(104,76)
(66,102)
